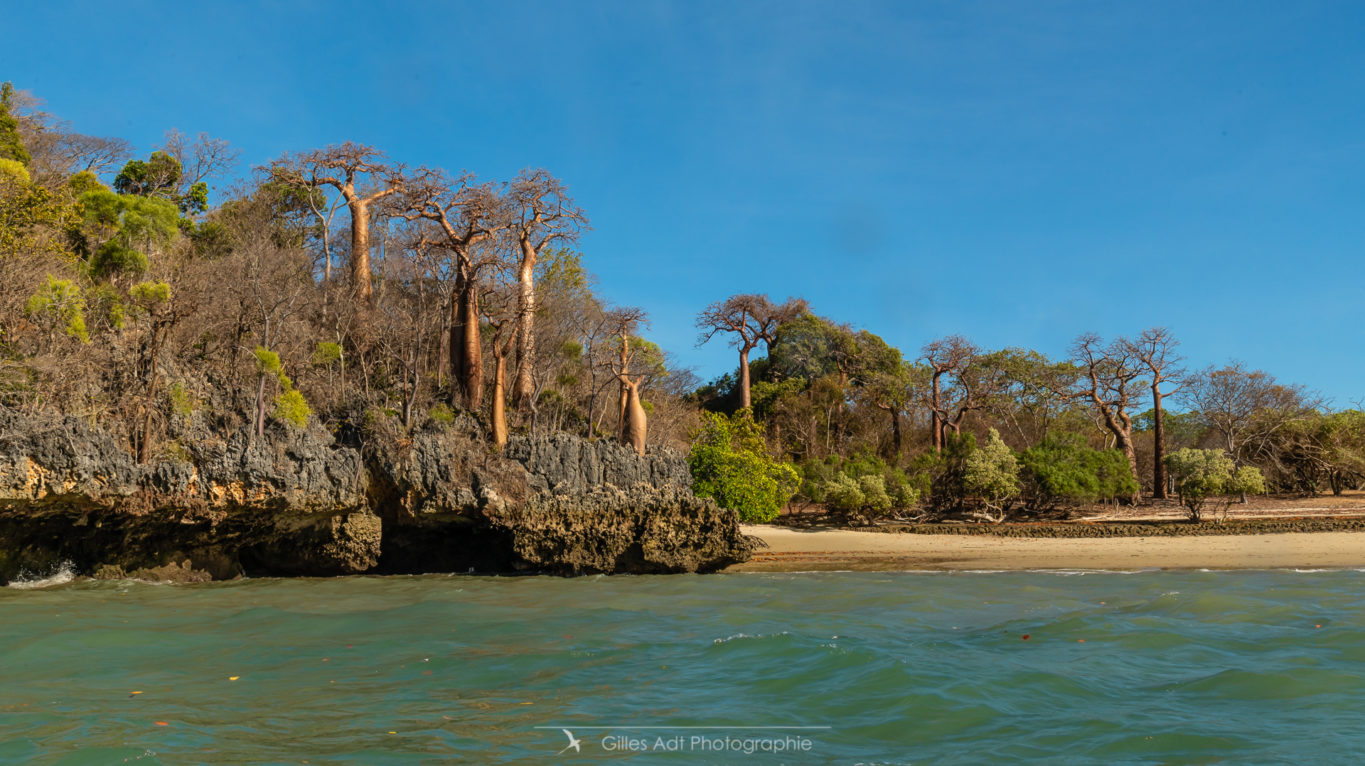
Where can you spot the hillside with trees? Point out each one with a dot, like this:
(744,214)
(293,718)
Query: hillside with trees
(340,287)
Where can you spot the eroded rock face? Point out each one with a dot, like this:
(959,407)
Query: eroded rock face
(299,503)
(641,529)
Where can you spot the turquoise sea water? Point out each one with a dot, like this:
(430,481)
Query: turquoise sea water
(1150,667)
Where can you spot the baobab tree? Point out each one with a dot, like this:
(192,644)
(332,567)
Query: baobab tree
(752,318)
(498,307)
(1108,379)
(633,423)
(343,167)
(1155,350)
(624,323)
(540,212)
(466,215)
(951,357)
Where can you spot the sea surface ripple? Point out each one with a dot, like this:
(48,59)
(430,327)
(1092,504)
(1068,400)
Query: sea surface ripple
(1002,667)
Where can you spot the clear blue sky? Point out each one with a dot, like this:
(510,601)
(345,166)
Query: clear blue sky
(1014,172)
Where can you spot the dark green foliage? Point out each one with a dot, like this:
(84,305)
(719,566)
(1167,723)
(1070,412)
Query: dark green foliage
(158,175)
(1062,470)
(161,176)
(730,463)
(944,474)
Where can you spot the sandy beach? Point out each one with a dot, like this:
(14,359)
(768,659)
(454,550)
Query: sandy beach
(830,549)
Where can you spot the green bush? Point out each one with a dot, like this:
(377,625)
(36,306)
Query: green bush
(1202,475)
(861,483)
(991,474)
(730,463)
(1062,470)
(291,407)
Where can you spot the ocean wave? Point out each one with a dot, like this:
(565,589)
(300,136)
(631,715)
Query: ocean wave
(62,574)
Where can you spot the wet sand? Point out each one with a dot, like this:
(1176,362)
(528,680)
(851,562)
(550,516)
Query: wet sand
(830,549)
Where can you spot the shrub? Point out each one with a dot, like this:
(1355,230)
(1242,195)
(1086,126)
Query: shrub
(861,483)
(1063,470)
(730,463)
(991,473)
(291,407)
(441,414)
(59,303)
(1205,475)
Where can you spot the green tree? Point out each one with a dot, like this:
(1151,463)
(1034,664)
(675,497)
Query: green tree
(991,473)
(11,143)
(120,231)
(1204,476)
(59,305)
(730,463)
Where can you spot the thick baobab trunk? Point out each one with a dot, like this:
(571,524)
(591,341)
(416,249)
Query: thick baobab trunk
(744,400)
(526,337)
(500,401)
(1158,444)
(466,350)
(1125,442)
(360,249)
(636,424)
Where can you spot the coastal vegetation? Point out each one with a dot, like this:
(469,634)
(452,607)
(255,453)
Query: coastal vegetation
(336,286)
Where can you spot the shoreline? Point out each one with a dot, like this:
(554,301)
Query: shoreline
(797,550)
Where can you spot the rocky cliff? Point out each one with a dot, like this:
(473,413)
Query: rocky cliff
(303,503)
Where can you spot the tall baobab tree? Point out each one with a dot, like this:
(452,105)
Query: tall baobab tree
(541,213)
(344,167)
(752,318)
(1155,350)
(466,214)
(1108,379)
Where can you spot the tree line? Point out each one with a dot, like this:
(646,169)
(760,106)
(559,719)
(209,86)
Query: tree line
(337,288)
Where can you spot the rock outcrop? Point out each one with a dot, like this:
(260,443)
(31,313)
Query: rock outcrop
(301,503)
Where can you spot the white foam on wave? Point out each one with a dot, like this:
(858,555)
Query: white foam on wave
(64,573)
(737,636)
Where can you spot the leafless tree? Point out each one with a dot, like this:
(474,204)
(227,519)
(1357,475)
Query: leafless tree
(201,158)
(753,319)
(950,361)
(1155,350)
(541,213)
(1109,380)
(343,167)
(631,413)
(466,214)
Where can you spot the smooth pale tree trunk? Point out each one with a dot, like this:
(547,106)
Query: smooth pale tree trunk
(523,388)
(499,401)
(636,422)
(466,350)
(744,401)
(360,249)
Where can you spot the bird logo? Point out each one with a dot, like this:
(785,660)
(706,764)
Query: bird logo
(574,742)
